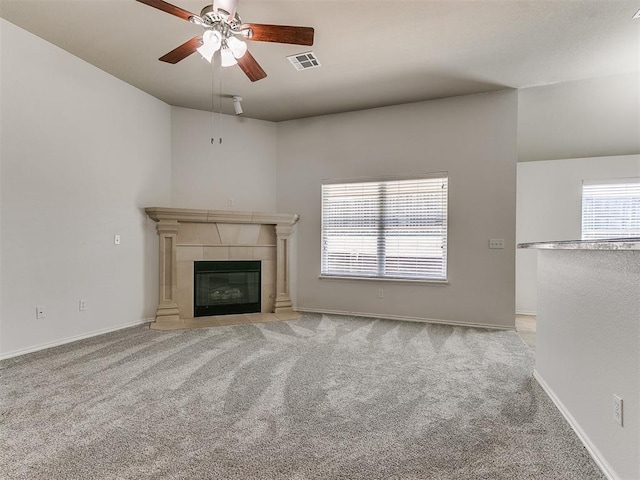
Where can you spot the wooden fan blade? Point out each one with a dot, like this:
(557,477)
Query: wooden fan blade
(183,51)
(167,7)
(279,33)
(251,67)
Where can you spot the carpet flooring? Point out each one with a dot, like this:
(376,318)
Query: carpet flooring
(322,397)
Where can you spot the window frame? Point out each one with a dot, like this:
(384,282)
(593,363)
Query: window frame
(442,279)
(609,188)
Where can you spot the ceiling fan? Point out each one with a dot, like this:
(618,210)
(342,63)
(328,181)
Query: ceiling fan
(224,31)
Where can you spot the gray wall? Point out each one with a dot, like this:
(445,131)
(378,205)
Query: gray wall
(598,117)
(239,174)
(471,137)
(82,153)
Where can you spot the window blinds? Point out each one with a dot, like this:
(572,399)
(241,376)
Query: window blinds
(611,210)
(389,229)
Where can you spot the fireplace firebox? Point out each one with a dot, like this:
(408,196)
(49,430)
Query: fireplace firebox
(225,287)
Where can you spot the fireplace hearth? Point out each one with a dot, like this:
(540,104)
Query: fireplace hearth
(225,287)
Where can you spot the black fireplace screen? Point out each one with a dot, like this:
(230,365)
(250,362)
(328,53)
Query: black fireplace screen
(223,287)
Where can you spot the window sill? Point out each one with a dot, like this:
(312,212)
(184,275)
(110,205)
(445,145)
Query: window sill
(386,280)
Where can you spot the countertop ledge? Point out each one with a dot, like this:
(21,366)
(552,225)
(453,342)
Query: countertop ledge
(632,243)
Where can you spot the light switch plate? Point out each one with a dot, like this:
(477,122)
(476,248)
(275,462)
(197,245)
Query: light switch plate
(496,243)
(617,409)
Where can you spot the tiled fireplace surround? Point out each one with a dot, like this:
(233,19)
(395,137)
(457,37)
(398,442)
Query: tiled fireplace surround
(188,235)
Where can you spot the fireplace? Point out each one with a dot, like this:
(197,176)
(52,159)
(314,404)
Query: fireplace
(224,287)
(188,236)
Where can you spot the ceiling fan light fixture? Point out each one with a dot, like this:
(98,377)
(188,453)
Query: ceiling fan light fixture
(227,58)
(211,42)
(238,47)
(206,52)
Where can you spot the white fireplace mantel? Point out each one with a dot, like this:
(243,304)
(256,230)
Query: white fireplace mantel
(187,215)
(188,235)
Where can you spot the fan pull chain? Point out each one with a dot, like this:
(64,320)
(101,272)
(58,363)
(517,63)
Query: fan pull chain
(213,92)
(220,101)
(213,101)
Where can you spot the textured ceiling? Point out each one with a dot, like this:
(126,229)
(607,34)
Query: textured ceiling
(372,53)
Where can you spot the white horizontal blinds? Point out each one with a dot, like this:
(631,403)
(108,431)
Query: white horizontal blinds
(414,228)
(394,229)
(611,209)
(350,225)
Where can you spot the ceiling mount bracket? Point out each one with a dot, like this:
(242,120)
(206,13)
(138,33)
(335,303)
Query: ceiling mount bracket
(236,104)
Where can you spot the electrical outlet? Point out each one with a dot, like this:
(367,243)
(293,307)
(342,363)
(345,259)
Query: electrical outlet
(116,239)
(82,305)
(230,202)
(381,293)
(40,313)
(617,409)
(496,243)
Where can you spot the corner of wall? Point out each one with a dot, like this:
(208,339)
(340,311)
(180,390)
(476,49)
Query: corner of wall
(234,175)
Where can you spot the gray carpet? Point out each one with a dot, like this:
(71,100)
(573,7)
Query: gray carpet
(323,397)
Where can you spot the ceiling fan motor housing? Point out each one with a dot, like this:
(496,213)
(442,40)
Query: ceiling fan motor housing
(218,19)
(212,18)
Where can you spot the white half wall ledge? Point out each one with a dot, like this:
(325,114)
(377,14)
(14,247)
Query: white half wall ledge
(549,207)
(587,347)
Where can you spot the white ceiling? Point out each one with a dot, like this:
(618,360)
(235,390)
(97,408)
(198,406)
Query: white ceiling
(372,53)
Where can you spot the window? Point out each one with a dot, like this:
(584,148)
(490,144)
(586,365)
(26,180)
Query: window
(386,229)
(611,209)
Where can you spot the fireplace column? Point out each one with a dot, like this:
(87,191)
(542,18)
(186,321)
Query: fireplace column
(167,315)
(283,299)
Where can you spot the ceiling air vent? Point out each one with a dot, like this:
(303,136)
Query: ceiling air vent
(304,61)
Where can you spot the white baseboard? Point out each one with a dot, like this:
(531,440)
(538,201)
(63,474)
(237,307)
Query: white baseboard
(525,312)
(402,317)
(604,466)
(75,338)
